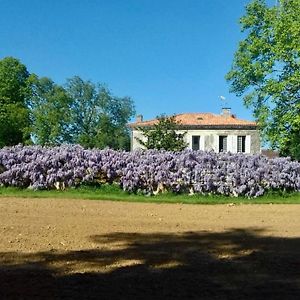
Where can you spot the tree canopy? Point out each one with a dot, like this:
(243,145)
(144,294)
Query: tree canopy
(98,118)
(15,90)
(50,112)
(43,112)
(163,135)
(266,71)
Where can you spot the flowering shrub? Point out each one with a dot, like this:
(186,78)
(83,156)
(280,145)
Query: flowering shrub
(148,171)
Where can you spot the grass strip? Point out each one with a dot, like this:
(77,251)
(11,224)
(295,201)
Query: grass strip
(113,193)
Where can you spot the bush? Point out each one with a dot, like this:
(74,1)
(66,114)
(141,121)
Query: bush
(148,171)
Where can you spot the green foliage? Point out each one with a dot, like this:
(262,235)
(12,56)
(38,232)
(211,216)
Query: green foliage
(50,112)
(163,135)
(14,93)
(14,81)
(266,71)
(98,119)
(81,113)
(114,193)
(14,123)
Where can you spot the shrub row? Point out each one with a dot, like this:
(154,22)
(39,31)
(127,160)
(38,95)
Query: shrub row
(149,171)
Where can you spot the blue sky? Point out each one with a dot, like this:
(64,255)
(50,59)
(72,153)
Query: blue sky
(170,56)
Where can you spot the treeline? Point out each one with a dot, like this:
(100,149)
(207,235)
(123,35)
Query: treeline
(36,110)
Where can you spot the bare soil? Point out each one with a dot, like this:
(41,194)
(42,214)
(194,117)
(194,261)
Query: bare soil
(80,249)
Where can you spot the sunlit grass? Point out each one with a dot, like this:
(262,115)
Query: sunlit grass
(114,193)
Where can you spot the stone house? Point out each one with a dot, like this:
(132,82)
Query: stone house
(208,131)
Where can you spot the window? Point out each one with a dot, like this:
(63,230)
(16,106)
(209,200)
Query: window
(195,142)
(241,143)
(222,143)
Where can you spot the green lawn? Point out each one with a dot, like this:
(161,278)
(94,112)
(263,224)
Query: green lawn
(110,192)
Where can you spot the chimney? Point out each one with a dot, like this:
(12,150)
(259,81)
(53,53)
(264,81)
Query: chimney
(139,118)
(226,112)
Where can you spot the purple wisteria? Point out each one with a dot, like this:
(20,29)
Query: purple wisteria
(147,172)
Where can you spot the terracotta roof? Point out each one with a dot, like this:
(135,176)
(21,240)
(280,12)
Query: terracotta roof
(201,119)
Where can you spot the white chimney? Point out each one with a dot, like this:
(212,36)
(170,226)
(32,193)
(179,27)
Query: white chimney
(139,118)
(226,112)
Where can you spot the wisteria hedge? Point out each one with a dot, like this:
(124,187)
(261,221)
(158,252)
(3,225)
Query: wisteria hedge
(148,171)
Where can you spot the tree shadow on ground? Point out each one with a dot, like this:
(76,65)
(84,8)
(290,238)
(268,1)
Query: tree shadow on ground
(237,264)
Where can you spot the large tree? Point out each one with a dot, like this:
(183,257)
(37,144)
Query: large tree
(266,71)
(98,118)
(50,112)
(163,135)
(15,90)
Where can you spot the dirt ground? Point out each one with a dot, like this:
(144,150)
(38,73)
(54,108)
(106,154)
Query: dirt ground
(80,249)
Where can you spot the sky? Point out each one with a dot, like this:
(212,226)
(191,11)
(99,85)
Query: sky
(169,56)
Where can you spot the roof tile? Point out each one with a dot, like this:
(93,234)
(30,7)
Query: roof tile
(205,119)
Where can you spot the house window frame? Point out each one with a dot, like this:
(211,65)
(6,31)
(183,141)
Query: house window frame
(241,144)
(223,143)
(198,143)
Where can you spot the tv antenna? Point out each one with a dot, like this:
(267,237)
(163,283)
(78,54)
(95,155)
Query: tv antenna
(224,101)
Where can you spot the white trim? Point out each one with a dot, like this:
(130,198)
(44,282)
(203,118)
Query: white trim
(230,143)
(248,144)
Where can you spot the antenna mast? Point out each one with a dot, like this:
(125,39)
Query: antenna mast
(224,102)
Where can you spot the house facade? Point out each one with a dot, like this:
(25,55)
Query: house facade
(207,131)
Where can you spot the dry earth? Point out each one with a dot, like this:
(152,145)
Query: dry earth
(73,249)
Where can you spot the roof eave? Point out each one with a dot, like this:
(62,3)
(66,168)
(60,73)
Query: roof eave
(203,127)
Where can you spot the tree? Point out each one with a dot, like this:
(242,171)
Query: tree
(14,93)
(266,71)
(50,112)
(163,135)
(98,119)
